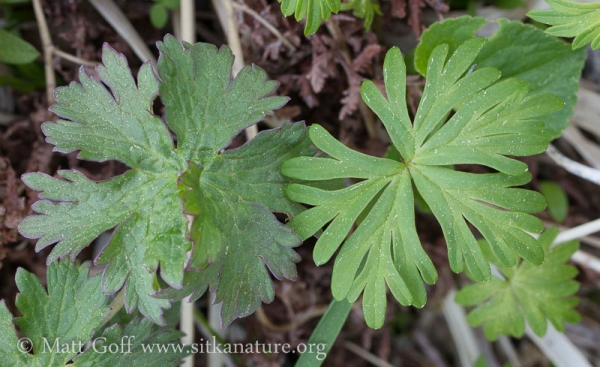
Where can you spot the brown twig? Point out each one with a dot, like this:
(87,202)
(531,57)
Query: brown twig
(300,319)
(116,304)
(47,51)
(74,59)
(265,23)
(432,353)
(365,354)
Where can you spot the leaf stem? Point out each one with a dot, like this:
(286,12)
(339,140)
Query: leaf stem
(326,333)
(115,306)
(47,50)
(205,324)
(366,355)
(72,58)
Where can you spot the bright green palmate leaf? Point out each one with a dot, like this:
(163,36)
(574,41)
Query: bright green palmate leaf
(59,323)
(526,292)
(489,121)
(206,109)
(572,19)
(315,11)
(520,51)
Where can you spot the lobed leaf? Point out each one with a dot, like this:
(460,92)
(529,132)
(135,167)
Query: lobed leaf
(535,294)
(198,91)
(206,108)
(112,124)
(489,121)
(58,326)
(571,19)
(72,295)
(364,9)
(138,343)
(452,32)
(235,233)
(315,11)
(550,66)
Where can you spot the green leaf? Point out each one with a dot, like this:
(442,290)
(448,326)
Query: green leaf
(170,4)
(550,66)
(481,362)
(122,317)
(63,317)
(364,9)
(232,200)
(490,122)
(143,203)
(535,294)
(571,19)
(510,4)
(15,50)
(315,11)
(558,202)
(138,344)
(325,334)
(210,96)
(59,323)
(159,16)
(116,125)
(236,190)
(453,32)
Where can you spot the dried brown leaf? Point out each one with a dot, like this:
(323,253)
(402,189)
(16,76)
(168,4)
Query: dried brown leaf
(360,64)
(13,206)
(306,92)
(350,101)
(364,60)
(322,63)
